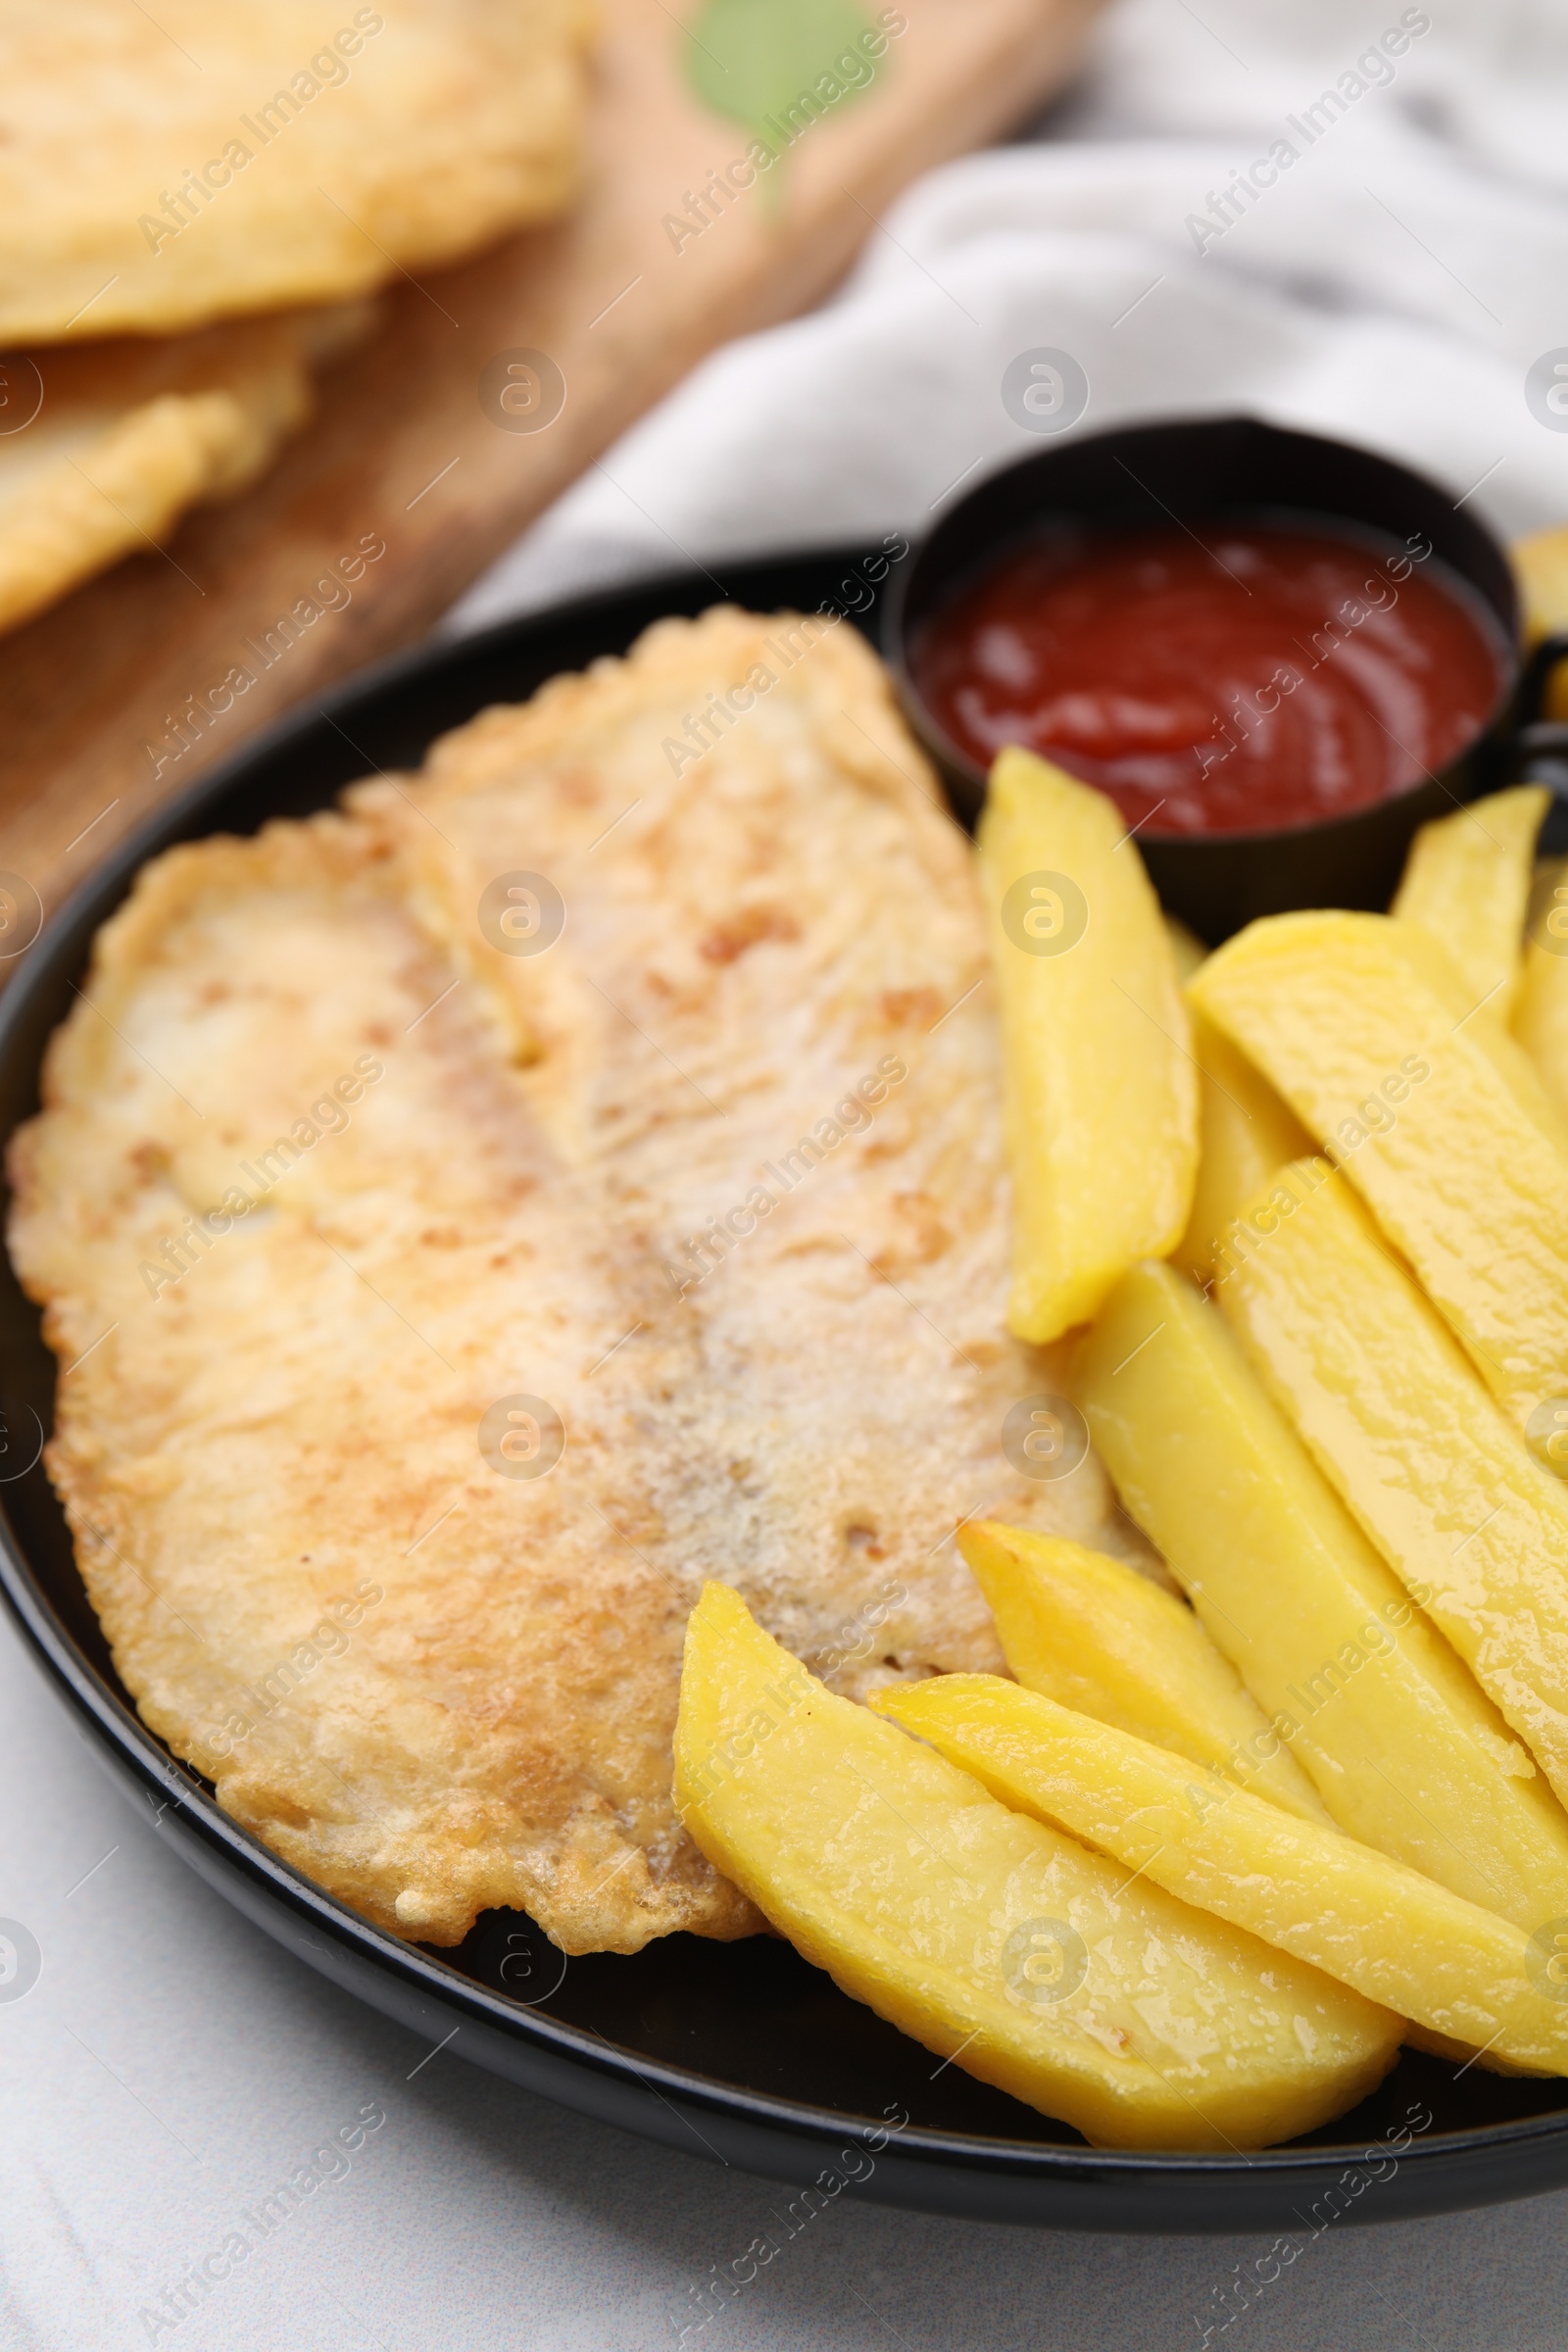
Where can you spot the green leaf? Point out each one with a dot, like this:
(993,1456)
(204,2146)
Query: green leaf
(752,59)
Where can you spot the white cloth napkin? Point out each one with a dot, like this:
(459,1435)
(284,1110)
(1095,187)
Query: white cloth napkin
(1396,285)
(170,2066)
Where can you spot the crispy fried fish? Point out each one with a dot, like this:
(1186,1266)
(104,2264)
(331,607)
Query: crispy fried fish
(161,168)
(631,1071)
(106,445)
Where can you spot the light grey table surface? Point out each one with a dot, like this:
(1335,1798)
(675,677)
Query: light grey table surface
(171,2066)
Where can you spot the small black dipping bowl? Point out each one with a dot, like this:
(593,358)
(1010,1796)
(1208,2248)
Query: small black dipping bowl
(1145,476)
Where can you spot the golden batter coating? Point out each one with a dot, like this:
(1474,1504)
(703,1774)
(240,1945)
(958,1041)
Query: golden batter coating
(126,436)
(161,168)
(716,1174)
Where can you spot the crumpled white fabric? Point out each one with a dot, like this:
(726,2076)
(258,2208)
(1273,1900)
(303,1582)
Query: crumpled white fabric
(1394,286)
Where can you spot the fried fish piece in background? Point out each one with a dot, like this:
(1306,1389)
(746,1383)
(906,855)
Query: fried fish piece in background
(162,170)
(770,980)
(103,446)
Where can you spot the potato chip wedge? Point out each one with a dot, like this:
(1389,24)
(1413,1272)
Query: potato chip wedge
(1467,881)
(1541,564)
(1398,1938)
(1245,1132)
(1187,948)
(163,167)
(1100,1093)
(1541,1010)
(1090,1632)
(1353,1017)
(1405,1751)
(1393,1416)
(993,1941)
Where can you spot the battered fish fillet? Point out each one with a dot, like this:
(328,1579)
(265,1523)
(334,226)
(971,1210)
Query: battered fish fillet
(110,443)
(717,1175)
(161,168)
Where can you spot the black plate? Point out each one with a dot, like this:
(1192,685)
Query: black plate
(739,2051)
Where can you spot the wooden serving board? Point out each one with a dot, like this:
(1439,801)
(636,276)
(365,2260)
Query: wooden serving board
(115,700)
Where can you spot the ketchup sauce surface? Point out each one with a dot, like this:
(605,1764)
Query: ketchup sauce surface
(1270,675)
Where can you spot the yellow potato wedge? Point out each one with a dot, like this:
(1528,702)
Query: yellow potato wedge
(1187,948)
(1092,1633)
(1403,1748)
(1101,1093)
(991,1939)
(1541,1010)
(1541,564)
(1392,1935)
(1393,1416)
(1351,1017)
(1245,1132)
(1467,883)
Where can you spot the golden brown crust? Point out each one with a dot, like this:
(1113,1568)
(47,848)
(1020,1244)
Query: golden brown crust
(268,152)
(129,435)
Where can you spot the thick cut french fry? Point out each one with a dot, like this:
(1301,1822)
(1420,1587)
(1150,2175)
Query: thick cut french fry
(1187,948)
(1406,1752)
(1467,882)
(1541,564)
(1540,1010)
(992,1940)
(1393,1416)
(1351,1016)
(1092,1633)
(1101,1095)
(1390,1933)
(1245,1132)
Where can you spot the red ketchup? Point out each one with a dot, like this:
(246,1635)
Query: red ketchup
(1245,676)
